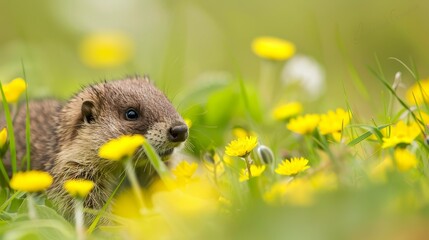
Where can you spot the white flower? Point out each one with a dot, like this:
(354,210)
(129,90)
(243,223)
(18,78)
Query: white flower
(307,72)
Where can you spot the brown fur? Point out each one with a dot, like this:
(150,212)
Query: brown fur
(65,141)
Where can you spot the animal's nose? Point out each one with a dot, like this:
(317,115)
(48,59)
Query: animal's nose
(178,133)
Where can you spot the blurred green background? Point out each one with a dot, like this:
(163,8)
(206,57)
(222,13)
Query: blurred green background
(181,44)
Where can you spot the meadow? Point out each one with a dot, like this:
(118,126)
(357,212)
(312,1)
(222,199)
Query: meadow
(289,140)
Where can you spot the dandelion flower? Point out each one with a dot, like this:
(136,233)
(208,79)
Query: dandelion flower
(3,137)
(292,166)
(240,132)
(334,122)
(104,50)
(31,181)
(255,172)
(307,73)
(121,147)
(401,133)
(241,147)
(78,188)
(304,124)
(418,93)
(14,89)
(404,159)
(185,170)
(273,48)
(285,111)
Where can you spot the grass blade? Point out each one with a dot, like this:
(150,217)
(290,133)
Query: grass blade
(373,130)
(27,120)
(103,210)
(157,163)
(10,131)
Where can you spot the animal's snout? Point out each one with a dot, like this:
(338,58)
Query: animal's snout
(178,132)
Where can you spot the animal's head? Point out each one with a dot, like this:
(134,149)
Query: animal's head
(129,106)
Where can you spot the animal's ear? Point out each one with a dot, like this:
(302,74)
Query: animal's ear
(88,111)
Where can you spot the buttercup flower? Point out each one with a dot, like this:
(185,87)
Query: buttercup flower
(255,171)
(304,124)
(121,147)
(334,122)
(292,166)
(14,89)
(404,159)
(285,111)
(79,188)
(31,181)
(418,93)
(185,170)
(104,50)
(241,147)
(401,133)
(3,137)
(273,48)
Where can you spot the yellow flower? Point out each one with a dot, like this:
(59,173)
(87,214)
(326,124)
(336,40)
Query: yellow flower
(214,165)
(401,133)
(239,132)
(185,170)
(241,147)
(79,188)
(285,111)
(273,48)
(254,170)
(14,89)
(334,122)
(3,137)
(105,50)
(292,166)
(121,147)
(422,116)
(418,93)
(304,124)
(31,181)
(404,159)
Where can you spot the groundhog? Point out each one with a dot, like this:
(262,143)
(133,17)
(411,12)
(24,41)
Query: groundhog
(65,138)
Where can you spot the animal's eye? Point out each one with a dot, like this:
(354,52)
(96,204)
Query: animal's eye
(131,114)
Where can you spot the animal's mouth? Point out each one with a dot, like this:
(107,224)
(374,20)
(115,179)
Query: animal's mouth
(165,152)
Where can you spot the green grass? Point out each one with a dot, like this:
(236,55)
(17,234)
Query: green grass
(339,197)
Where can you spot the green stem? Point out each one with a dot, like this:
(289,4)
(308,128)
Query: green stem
(31,209)
(248,163)
(129,169)
(158,164)
(267,81)
(310,147)
(3,171)
(79,219)
(10,131)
